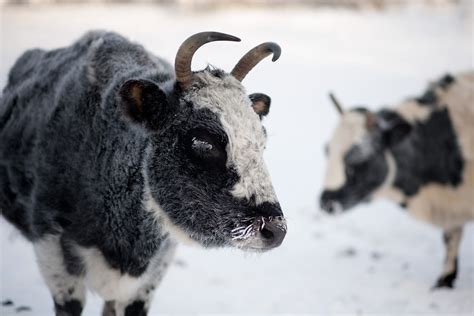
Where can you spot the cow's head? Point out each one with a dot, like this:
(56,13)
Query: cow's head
(358,163)
(205,175)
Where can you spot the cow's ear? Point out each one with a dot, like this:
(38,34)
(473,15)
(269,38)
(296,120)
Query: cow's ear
(394,128)
(260,103)
(143,102)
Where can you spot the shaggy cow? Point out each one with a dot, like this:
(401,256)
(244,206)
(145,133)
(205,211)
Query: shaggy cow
(419,154)
(107,154)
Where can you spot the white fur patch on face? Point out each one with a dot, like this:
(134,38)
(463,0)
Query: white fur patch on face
(227,98)
(350,131)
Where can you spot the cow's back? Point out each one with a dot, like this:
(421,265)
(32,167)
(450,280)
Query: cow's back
(459,99)
(64,142)
(28,102)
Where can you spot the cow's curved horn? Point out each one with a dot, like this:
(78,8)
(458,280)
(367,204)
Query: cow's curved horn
(184,56)
(253,57)
(336,103)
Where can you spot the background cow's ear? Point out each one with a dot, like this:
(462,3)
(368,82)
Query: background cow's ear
(260,103)
(394,128)
(143,101)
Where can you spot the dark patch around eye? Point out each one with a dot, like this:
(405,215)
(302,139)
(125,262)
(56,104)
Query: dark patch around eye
(355,172)
(206,149)
(355,156)
(364,172)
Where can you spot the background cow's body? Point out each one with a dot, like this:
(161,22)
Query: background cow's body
(446,206)
(419,154)
(96,168)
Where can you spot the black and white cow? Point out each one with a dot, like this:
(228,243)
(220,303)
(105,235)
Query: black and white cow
(108,155)
(419,154)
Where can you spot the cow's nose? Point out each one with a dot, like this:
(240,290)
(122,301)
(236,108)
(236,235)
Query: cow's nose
(327,206)
(272,231)
(327,203)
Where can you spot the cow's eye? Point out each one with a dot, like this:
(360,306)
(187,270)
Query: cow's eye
(350,171)
(359,167)
(206,149)
(203,148)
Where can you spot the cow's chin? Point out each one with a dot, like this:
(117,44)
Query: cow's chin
(355,201)
(339,208)
(252,245)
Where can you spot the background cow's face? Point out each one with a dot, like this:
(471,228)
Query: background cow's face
(205,174)
(357,161)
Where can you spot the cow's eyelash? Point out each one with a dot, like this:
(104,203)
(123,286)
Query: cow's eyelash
(198,144)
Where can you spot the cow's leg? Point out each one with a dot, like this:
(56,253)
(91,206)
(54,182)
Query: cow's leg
(109,308)
(66,286)
(452,239)
(139,303)
(138,306)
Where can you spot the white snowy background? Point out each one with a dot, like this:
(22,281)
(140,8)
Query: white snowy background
(373,260)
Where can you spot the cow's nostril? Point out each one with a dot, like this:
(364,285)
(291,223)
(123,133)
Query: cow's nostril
(273,232)
(326,203)
(328,206)
(266,233)
(331,206)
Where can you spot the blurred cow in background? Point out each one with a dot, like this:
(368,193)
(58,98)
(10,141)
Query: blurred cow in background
(419,154)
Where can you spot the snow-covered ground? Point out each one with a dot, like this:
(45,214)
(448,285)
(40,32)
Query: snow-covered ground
(372,260)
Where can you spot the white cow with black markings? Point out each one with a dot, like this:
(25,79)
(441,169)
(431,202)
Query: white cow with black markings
(419,154)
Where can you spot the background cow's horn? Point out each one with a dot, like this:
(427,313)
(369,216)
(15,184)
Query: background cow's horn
(336,103)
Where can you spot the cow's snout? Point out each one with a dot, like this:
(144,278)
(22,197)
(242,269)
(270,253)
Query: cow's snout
(266,231)
(272,231)
(329,204)
(271,225)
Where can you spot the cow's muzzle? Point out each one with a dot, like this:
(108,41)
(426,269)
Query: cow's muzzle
(264,233)
(329,203)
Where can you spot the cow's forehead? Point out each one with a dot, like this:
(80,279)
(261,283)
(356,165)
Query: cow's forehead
(350,131)
(226,97)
